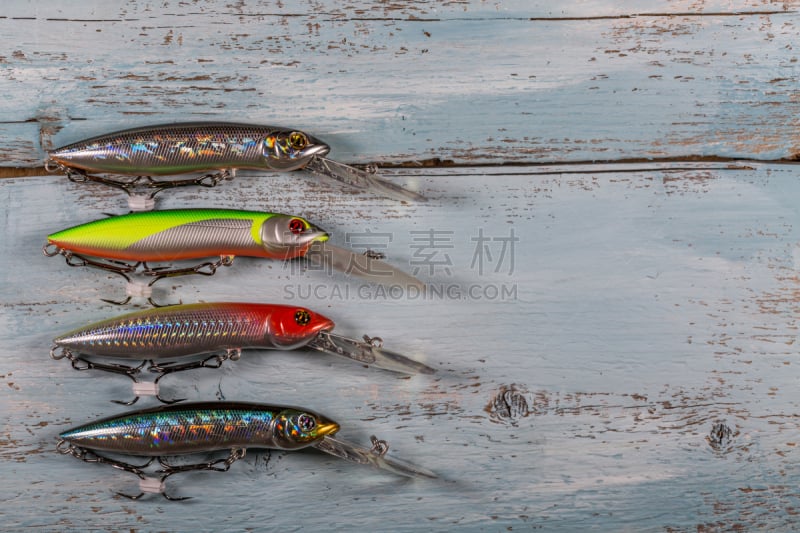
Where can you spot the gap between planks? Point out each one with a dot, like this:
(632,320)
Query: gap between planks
(669,164)
(411,18)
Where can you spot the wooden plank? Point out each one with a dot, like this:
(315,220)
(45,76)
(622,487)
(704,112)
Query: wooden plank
(408,81)
(364,10)
(638,374)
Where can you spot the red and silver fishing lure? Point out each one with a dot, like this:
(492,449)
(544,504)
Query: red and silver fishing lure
(223,329)
(215,426)
(195,147)
(127,244)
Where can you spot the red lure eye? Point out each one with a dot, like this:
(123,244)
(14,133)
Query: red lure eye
(296,226)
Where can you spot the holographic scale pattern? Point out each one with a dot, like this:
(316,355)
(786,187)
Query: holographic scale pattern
(174,331)
(202,427)
(180,429)
(171,149)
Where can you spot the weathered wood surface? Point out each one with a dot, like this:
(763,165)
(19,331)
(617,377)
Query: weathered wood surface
(654,311)
(632,369)
(407,81)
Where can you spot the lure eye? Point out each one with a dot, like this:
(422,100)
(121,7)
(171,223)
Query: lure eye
(298,140)
(296,226)
(306,422)
(302,317)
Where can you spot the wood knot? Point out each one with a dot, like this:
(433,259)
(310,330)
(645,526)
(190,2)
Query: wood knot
(509,405)
(721,437)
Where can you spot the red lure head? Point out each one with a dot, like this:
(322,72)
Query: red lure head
(290,327)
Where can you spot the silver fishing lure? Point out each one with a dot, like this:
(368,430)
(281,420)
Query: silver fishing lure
(215,426)
(218,148)
(155,336)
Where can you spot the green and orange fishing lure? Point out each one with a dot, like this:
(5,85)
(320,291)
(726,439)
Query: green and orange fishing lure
(131,243)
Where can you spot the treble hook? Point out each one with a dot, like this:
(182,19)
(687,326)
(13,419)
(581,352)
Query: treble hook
(89,456)
(208,268)
(76,260)
(141,190)
(147,484)
(212,361)
(126,270)
(145,388)
(81,364)
(234,455)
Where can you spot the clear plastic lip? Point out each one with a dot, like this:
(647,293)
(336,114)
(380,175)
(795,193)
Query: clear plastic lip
(360,179)
(357,454)
(362,266)
(367,353)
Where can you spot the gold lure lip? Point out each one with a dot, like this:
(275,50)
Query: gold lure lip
(327,429)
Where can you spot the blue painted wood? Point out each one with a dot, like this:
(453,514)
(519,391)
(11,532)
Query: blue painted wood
(389,82)
(645,309)
(633,368)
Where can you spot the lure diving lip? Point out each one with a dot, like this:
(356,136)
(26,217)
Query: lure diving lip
(215,426)
(179,331)
(122,244)
(191,147)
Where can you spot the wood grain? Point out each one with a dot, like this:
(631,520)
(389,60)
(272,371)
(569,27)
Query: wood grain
(468,81)
(614,293)
(637,374)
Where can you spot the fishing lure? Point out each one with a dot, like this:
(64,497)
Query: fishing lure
(211,427)
(223,329)
(126,244)
(193,147)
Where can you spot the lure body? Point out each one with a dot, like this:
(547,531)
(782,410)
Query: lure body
(179,234)
(215,426)
(191,147)
(123,244)
(196,329)
(202,427)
